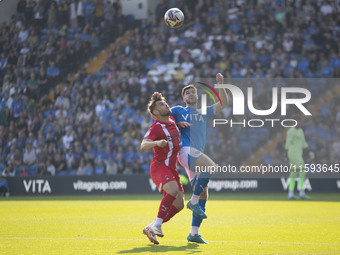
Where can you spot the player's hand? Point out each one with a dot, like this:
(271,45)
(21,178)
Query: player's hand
(183,124)
(156,95)
(219,78)
(162,143)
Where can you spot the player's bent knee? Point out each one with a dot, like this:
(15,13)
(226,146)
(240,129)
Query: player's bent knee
(174,192)
(180,204)
(179,201)
(172,188)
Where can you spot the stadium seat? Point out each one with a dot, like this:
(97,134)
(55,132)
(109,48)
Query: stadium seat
(303,65)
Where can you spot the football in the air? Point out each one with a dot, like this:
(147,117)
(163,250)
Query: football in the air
(174,18)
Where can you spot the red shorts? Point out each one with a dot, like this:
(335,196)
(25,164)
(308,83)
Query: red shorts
(162,174)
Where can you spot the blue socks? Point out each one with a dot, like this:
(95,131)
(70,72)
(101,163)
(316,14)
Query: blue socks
(201,184)
(195,220)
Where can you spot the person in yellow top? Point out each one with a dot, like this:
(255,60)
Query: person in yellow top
(295,144)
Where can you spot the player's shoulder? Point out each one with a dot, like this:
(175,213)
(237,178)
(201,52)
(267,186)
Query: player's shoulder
(290,131)
(155,124)
(177,108)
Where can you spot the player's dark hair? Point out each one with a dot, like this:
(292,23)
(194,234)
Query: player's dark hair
(154,98)
(188,87)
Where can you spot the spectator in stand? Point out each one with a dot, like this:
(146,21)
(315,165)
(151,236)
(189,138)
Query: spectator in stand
(52,72)
(42,155)
(23,171)
(68,138)
(326,8)
(111,166)
(9,171)
(23,35)
(99,12)
(82,168)
(80,13)
(60,164)
(38,10)
(33,86)
(73,14)
(89,10)
(63,13)
(64,100)
(42,81)
(30,160)
(21,7)
(100,166)
(4,188)
(89,169)
(17,161)
(52,16)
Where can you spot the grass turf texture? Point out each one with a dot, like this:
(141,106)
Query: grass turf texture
(236,224)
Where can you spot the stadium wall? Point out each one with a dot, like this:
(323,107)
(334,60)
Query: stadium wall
(7,9)
(140,9)
(142,184)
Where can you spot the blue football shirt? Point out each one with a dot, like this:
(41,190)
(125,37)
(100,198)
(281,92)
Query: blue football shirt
(194,136)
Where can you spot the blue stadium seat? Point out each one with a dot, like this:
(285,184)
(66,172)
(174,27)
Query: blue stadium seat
(303,65)
(182,41)
(326,71)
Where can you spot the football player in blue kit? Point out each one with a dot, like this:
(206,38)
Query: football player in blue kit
(193,127)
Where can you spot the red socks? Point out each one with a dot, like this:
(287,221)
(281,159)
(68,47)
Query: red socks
(165,205)
(171,213)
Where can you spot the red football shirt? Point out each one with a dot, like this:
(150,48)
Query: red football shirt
(168,131)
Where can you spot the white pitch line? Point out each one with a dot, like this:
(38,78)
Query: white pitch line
(165,240)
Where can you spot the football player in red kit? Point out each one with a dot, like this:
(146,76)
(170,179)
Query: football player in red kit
(163,138)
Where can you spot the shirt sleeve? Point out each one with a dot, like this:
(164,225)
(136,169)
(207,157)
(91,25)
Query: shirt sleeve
(152,133)
(174,112)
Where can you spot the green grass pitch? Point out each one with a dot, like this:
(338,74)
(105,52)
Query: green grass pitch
(236,224)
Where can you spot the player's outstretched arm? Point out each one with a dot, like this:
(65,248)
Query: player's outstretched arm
(222,93)
(148,144)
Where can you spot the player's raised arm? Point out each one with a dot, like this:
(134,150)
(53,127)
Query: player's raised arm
(148,144)
(222,93)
